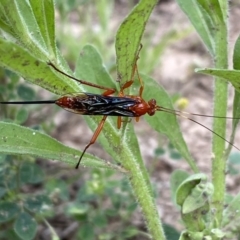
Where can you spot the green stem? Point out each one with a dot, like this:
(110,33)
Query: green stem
(138,176)
(144,195)
(219,125)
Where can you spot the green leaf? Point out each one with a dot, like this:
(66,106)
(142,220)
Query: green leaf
(232,212)
(187,185)
(22,21)
(177,177)
(175,155)
(44,14)
(8,211)
(15,139)
(3,191)
(100,220)
(159,151)
(234,158)
(90,66)
(219,233)
(86,232)
(37,203)
(22,62)
(130,232)
(170,232)
(233,76)
(190,235)
(25,226)
(25,92)
(129,36)
(59,187)
(193,211)
(164,122)
(7,176)
(213,9)
(236,101)
(4,23)
(232,170)
(30,173)
(201,20)
(21,116)
(199,196)
(236,54)
(78,209)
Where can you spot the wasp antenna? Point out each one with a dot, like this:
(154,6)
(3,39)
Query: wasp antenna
(194,114)
(31,102)
(192,120)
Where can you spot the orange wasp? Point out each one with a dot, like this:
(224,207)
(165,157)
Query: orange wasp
(107,105)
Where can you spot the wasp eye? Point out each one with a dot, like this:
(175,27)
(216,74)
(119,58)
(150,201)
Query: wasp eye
(152,103)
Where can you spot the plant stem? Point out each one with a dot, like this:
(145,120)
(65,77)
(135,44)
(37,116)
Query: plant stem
(219,125)
(131,160)
(146,201)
